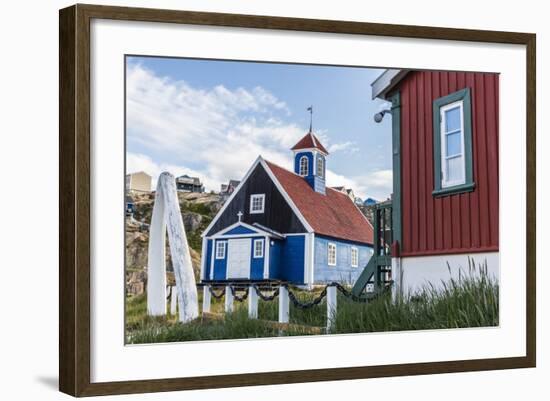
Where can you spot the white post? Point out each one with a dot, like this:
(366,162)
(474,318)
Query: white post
(397,277)
(228,299)
(173,301)
(167,217)
(206,296)
(331,307)
(283,305)
(252,303)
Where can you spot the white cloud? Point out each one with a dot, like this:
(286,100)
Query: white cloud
(376,184)
(347,147)
(220,131)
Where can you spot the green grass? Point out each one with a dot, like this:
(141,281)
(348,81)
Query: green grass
(234,326)
(470,301)
(194,238)
(199,208)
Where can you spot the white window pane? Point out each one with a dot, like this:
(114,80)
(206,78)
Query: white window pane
(332,254)
(354,257)
(258,248)
(304,165)
(452,119)
(257,203)
(455,169)
(220,250)
(454,144)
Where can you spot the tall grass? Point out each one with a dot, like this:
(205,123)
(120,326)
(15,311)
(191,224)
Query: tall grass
(471,300)
(233,326)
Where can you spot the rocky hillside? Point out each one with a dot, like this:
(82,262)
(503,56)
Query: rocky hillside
(197,212)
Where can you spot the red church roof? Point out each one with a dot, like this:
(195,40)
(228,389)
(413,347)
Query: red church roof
(310,141)
(334,214)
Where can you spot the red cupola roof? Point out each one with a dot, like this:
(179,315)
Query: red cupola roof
(310,141)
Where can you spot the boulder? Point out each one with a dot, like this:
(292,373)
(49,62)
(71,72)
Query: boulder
(192,221)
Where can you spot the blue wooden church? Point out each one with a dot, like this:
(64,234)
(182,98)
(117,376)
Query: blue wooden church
(281,225)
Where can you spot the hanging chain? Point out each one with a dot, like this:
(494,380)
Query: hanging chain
(347,293)
(292,296)
(266,298)
(219,295)
(239,298)
(306,305)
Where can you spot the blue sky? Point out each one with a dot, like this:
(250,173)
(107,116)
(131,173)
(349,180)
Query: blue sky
(213,118)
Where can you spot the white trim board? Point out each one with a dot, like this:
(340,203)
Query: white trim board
(267,249)
(258,232)
(203,257)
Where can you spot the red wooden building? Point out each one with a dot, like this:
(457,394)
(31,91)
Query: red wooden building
(445,203)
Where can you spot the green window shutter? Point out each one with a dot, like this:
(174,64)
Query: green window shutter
(469,185)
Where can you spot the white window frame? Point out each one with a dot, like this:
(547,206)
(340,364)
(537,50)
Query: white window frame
(220,245)
(261,254)
(444,182)
(354,261)
(321,171)
(254,197)
(306,164)
(333,246)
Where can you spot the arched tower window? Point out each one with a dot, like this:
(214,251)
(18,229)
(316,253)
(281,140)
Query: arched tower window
(304,165)
(321,167)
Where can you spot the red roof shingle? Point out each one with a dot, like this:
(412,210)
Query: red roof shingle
(334,214)
(310,141)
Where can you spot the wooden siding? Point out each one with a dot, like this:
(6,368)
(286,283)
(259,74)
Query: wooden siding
(257,264)
(207,255)
(277,215)
(460,223)
(275,253)
(220,265)
(292,262)
(343,272)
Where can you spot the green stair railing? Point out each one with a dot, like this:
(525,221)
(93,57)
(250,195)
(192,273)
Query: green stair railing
(378,269)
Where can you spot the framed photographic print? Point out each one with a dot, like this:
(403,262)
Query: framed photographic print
(329,196)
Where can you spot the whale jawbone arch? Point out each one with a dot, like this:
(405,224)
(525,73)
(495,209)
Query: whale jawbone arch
(167,217)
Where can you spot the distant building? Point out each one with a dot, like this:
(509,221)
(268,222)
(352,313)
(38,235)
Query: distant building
(185,183)
(370,202)
(229,188)
(138,182)
(347,191)
(129,206)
